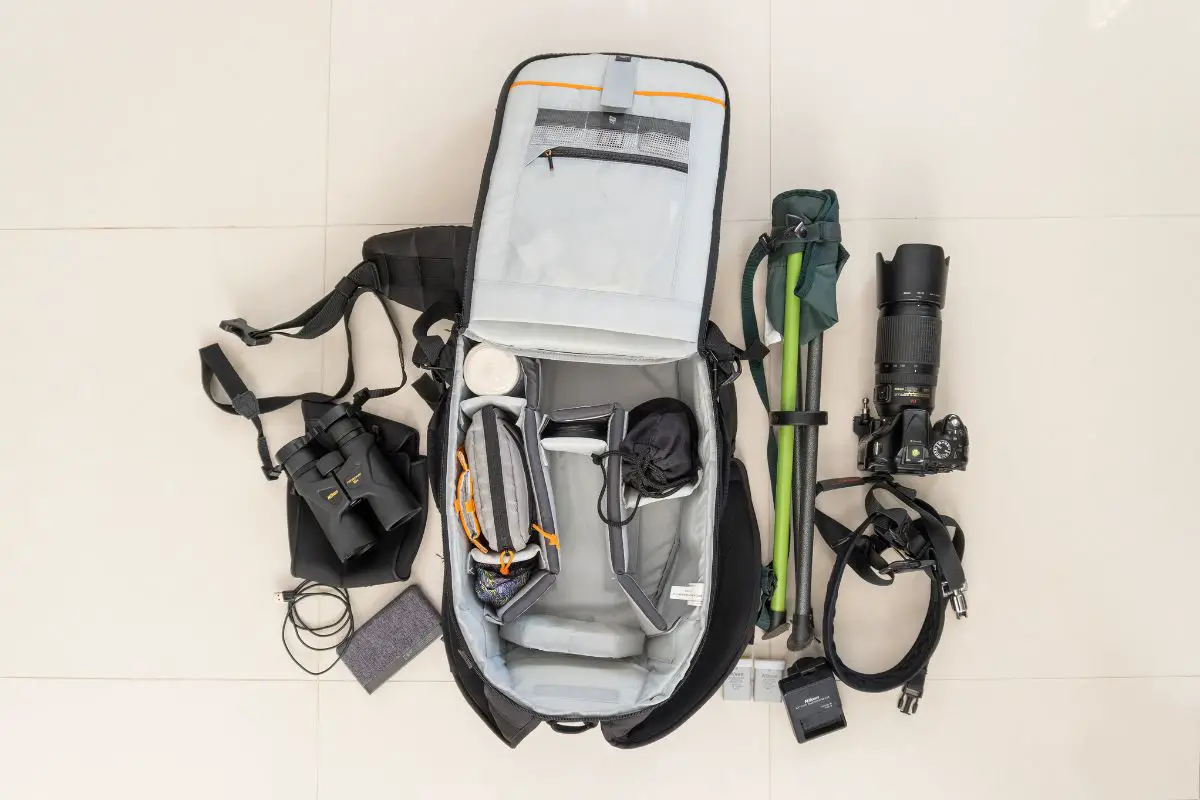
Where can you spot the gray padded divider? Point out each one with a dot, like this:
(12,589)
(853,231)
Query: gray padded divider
(618,547)
(577,637)
(540,482)
(540,583)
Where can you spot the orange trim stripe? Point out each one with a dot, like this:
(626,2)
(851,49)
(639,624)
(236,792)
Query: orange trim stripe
(559,85)
(684,95)
(585,87)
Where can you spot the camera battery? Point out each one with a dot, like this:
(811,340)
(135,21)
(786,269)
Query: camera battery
(767,673)
(740,683)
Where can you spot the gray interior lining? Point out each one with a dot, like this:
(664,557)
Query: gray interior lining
(600,256)
(669,543)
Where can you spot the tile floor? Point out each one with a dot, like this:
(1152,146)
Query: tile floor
(167,165)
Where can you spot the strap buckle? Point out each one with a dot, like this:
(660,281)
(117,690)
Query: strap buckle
(250,336)
(908,565)
(731,368)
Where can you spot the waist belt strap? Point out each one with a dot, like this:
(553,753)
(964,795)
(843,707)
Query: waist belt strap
(926,545)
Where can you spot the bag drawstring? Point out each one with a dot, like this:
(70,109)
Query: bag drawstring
(647,478)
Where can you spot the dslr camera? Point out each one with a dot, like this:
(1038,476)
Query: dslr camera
(904,439)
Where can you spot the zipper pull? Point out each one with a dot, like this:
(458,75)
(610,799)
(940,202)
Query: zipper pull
(549,156)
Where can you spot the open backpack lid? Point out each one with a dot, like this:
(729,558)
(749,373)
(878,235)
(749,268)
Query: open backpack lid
(598,220)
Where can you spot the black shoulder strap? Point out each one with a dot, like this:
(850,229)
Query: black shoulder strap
(432,353)
(926,545)
(321,317)
(215,364)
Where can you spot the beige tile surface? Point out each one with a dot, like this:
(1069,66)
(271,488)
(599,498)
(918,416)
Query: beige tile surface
(145,740)
(137,113)
(1017,109)
(244,151)
(1094,739)
(721,752)
(413,91)
(139,538)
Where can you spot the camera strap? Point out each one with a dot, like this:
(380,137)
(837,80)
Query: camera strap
(925,544)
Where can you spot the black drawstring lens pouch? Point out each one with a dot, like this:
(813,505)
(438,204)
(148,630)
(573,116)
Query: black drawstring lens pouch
(659,448)
(390,560)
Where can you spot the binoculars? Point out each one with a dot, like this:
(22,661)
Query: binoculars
(342,474)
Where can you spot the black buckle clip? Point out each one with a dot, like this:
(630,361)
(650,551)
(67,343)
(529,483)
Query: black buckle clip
(732,372)
(251,337)
(908,565)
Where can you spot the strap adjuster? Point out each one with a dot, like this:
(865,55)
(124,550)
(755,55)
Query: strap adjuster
(246,405)
(250,336)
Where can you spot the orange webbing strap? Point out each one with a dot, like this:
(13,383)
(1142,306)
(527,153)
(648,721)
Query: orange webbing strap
(551,538)
(506,559)
(583,87)
(471,532)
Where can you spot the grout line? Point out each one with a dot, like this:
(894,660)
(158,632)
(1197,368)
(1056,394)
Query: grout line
(770,761)
(150,679)
(299,226)
(328,107)
(317,747)
(317,679)
(724,221)
(770,101)
(113,679)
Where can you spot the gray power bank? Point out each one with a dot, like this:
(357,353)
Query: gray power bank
(391,638)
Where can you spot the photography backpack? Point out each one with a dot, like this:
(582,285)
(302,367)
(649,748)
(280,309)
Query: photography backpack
(592,260)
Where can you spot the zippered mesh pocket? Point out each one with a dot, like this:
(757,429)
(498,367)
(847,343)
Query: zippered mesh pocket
(599,203)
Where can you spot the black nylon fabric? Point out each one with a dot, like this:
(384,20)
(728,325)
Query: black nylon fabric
(659,448)
(391,559)
(422,265)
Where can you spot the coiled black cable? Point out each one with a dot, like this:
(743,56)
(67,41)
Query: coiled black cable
(343,625)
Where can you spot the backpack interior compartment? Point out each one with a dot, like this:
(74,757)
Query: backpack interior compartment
(583,647)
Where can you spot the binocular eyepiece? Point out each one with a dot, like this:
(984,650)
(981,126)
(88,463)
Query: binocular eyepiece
(337,468)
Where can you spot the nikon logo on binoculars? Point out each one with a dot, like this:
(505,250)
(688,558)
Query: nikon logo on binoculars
(340,471)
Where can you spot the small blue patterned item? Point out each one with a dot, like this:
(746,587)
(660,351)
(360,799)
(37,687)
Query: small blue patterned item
(495,589)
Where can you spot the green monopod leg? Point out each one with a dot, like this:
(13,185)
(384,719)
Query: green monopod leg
(786,443)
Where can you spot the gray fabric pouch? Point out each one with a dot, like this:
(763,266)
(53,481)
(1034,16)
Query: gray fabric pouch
(391,638)
(493,448)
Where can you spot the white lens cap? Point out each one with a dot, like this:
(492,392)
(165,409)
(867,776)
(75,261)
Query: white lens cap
(491,371)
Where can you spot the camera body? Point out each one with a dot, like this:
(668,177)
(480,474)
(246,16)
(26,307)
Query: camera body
(904,439)
(909,443)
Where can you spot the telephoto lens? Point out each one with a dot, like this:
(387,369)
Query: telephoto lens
(366,473)
(908,336)
(312,471)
